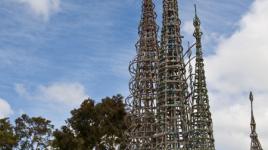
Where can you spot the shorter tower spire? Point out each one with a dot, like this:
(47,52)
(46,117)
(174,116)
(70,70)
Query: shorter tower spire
(255,143)
(201,127)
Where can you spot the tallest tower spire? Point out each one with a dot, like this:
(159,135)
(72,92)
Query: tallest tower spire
(143,70)
(172,86)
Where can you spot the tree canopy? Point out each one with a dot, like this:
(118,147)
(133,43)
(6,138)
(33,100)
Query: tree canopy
(33,133)
(8,139)
(99,126)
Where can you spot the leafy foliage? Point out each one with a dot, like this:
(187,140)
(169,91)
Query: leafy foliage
(99,126)
(66,140)
(111,115)
(8,139)
(33,133)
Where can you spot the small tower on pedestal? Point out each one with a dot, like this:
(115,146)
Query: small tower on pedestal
(255,143)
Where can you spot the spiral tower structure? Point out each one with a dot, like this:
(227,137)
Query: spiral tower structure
(172,102)
(143,69)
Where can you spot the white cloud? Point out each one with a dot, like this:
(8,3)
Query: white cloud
(5,109)
(64,93)
(21,90)
(240,65)
(42,8)
(188,27)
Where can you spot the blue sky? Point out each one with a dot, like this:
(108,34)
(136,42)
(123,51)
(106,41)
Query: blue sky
(55,53)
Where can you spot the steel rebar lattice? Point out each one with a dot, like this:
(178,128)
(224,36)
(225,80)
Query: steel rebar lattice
(172,89)
(201,128)
(255,143)
(169,107)
(143,70)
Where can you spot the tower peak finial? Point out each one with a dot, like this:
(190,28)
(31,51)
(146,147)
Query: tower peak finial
(195,9)
(251,96)
(196,18)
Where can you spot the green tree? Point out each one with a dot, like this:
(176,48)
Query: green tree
(81,131)
(8,139)
(99,126)
(111,114)
(34,133)
(66,140)
(85,123)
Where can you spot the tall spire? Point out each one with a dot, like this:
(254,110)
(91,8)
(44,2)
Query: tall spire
(143,83)
(201,128)
(255,143)
(172,93)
